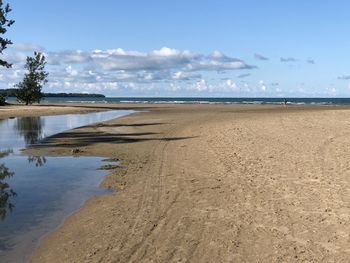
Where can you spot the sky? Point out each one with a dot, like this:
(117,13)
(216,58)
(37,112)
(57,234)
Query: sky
(290,48)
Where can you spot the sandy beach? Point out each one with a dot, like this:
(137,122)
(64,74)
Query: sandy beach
(209,183)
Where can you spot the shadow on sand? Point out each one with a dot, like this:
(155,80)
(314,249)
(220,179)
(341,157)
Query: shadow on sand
(75,138)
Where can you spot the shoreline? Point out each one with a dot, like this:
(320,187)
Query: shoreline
(144,219)
(45,109)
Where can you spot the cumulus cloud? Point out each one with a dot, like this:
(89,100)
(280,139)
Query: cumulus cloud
(287,59)
(119,69)
(68,57)
(260,57)
(231,85)
(164,58)
(201,85)
(17,53)
(181,75)
(262,85)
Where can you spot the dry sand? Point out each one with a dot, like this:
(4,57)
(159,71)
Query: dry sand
(213,184)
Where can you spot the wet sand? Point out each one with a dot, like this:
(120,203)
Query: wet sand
(18,110)
(212,183)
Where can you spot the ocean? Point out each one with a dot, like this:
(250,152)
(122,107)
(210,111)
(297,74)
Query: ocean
(198,100)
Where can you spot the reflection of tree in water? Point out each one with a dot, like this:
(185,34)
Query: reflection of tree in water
(38,160)
(5,192)
(31,128)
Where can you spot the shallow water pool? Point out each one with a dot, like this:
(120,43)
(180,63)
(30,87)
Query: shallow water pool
(38,192)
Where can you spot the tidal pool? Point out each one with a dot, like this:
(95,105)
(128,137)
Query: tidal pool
(38,192)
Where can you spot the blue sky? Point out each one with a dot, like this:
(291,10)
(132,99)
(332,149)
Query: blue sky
(185,48)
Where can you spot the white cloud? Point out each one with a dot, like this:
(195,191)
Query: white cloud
(181,75)
(169,52)
(68,57)
(262,85)
(331,91)
(231,85)
(201,85)
(71,72)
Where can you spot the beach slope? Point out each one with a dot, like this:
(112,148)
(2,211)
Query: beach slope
(212,183)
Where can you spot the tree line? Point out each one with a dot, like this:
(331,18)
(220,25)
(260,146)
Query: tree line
(28,91)
(12,93)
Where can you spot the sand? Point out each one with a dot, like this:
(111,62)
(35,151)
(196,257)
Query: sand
(213,183)
(18,110)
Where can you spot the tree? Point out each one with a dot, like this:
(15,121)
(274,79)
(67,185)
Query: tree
(29,90)
(5,23)
(2,100)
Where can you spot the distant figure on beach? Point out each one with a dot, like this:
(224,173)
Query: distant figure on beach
(285,102)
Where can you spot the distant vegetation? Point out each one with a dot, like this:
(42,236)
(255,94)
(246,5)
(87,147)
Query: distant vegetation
(12,93)
(80,95)
(8,92)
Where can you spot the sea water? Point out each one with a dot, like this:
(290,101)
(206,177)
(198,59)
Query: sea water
(199,100)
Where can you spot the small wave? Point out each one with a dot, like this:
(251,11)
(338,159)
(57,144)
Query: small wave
(254,101)
(83,101)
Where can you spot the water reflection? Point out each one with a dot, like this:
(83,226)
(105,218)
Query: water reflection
(49,188)
(6,193)
(37,160)
(31,128)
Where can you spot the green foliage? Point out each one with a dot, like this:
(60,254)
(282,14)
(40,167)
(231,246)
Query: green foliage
(29,90)
(2,100)
(5,23)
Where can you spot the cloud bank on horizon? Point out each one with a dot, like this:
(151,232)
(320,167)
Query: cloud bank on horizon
(165,70)
(162,72)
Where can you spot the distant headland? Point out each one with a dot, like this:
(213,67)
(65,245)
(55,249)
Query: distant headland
(12,93)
